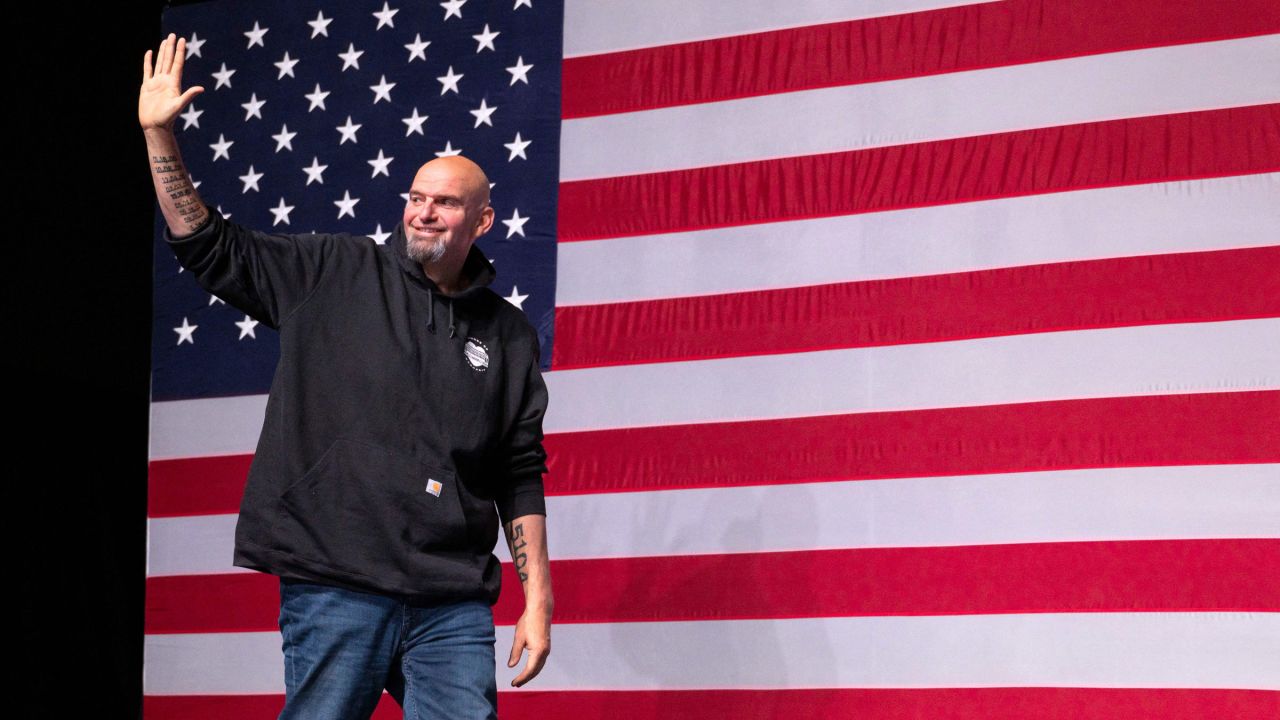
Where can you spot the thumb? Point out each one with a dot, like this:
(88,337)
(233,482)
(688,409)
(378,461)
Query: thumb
(190,94)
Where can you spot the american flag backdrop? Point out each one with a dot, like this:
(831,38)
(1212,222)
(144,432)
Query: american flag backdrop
(907,358)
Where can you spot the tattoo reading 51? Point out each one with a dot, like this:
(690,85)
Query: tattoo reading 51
(518,555)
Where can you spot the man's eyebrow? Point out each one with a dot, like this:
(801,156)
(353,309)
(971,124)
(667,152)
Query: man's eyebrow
(437,198)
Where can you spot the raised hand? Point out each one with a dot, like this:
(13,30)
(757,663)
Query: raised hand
(161,97)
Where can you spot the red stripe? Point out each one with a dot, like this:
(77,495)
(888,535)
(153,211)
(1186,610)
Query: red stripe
(801,704)
(1172,575)
(895,704)
(239,707)
(196,486)
(900,46)
(1194,429)
(1111,576)
(237,602)
(1159,148)
(1184,287)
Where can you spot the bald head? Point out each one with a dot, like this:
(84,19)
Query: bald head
(469,176)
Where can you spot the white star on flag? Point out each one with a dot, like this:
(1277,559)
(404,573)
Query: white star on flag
(285,66)
(526,3)
(246,327)
(485,39)
(519,71)
(223,76)
(281,213)
(384,16)
(414,123)
(255,35)
(382,91)
(483,113)
(448,150)
(221,149)
(319,26)
(418,48)
(351,58)
(517,148)
(317,97)
(380,164)
(348,131)
(315,173)
(250,180)
(515,224)
(284,139)
(193,46)
(215,300)
(191,118)
(347,205)
(253,108)
(379,236)
(515,298)
(453,8)
(186,333)
(449,81)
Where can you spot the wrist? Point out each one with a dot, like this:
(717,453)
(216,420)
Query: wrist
(158,132)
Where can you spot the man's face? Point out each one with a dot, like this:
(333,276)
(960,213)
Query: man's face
(447,210)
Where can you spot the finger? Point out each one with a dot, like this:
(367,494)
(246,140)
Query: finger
(166,55)
(146,66)
(517,648)
(190,94)
(180,58)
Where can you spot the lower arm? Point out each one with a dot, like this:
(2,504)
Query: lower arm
(527,539)
(180,204)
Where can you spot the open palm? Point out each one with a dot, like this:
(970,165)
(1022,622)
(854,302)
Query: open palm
(161,97)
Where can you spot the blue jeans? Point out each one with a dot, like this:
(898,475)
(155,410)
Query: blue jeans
(341,648)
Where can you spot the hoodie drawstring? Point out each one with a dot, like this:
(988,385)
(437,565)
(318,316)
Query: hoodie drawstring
(431,314)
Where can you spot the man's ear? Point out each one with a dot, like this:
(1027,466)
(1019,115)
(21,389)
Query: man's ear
(486,221)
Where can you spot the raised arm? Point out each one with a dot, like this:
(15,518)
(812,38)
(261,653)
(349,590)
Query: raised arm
(527,538)
(159,102)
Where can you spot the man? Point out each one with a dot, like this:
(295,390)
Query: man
(404,419)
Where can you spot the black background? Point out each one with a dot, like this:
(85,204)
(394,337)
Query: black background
(80,208)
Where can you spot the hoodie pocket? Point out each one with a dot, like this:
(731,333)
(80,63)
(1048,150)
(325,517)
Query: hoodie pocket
(371,511)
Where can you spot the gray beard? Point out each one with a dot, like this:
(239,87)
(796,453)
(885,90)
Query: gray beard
(421,252)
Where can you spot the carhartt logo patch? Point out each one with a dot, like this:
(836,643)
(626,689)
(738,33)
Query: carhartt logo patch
(477,354)
(434,487)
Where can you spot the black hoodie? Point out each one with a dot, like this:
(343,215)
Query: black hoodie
(399,418)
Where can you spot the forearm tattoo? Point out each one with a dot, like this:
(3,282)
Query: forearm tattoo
(175,183)
(518,555)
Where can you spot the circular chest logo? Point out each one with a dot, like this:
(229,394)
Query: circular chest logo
(477,354)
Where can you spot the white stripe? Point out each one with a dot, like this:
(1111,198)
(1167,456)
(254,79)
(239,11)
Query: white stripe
(1142,360)
(1187,216)
(1146,503)
(1111,362)
(1150,503)
(592,27)
(191,545)
(1135,650)
(1161,80)
(217,426)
